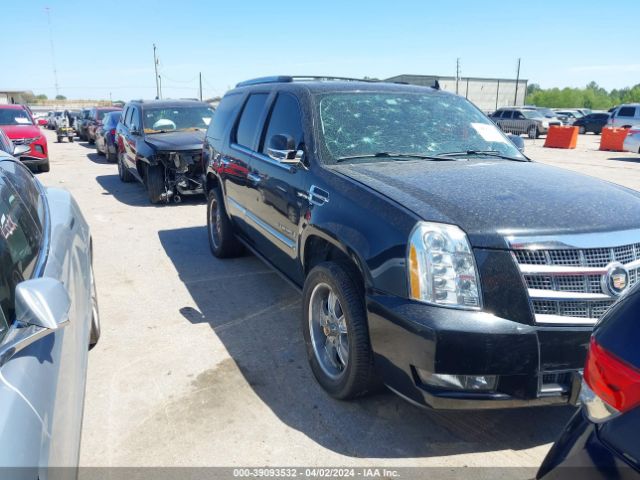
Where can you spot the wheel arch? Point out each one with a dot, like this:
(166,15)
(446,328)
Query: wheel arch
(319,246)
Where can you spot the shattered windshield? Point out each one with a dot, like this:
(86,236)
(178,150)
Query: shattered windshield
(157,120)
(364,124)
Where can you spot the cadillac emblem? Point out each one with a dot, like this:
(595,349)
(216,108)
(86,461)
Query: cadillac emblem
(616,280)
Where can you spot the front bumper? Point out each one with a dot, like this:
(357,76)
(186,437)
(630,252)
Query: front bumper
(33,161)
(408,337)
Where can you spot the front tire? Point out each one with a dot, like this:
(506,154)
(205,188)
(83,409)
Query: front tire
(582,131)
(336,333)
(222,240)
(124,174)
(95,313)
(154,181)
(533,132)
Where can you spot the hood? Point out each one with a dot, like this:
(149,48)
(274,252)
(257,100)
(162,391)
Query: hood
(490,199)
(21,131)
(176,140)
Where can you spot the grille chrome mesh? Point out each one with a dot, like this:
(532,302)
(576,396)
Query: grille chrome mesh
(551,287)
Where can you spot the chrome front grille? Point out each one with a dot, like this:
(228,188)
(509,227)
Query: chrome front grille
(566,276)
(23,141)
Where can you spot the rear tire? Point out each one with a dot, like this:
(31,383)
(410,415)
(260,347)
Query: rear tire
(533,132)
(124,174)
(59,139)
(222,240)
(342,380)
(582,131)
(154,181)
(111,158)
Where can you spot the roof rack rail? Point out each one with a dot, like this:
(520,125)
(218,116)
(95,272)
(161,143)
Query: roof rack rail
(293,78)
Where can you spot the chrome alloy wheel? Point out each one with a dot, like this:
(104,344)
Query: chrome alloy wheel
(328,329)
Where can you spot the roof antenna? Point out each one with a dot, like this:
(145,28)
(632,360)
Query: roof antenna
(436,85)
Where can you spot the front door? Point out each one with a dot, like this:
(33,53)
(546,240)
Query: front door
(279,200)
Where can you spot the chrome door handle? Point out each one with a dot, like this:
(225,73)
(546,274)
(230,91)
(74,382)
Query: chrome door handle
(254,177)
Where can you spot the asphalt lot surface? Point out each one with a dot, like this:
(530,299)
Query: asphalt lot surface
(201,361)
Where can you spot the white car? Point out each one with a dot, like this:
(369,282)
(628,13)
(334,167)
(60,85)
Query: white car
(625,115)
(632,142)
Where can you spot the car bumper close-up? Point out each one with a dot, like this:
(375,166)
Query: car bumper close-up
(459,359)
(580,453)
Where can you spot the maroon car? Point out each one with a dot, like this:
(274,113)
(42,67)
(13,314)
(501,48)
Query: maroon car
(96,115)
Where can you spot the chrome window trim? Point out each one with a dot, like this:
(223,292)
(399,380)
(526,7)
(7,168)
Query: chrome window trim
(573,241)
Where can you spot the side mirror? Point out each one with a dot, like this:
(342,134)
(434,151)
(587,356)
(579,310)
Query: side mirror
(134,130)
(517,141)
(20,150)
(42,307)
(42,302)
(282,148)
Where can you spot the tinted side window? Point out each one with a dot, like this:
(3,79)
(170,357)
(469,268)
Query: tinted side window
(627,112)
(518,115)
(224,114)
(23,182)
(496,114)
(507,114)
(134,120)
(125,115)
(20,242)
(251,114)
(285,120)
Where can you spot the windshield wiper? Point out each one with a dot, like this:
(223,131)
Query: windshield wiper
(486,153)
(393,155)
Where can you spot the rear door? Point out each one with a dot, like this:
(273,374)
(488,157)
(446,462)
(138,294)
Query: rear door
(238,183)
(279,200)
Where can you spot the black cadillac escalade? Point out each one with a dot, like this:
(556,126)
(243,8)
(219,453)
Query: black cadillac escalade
(432,255)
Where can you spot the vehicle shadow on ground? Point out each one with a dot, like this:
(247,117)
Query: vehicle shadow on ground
(256,315)
(95,157)
(134,194)
(86,144)
(625,159)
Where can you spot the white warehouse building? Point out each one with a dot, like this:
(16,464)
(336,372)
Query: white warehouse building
(488,94)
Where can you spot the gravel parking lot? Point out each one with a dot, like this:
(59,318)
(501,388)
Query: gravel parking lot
(201,361)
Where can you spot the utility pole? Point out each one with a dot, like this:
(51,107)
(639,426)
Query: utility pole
(457,74)
(155,66)
(110,99)
(515,100)
(200,86)
(160,88)
(53,52)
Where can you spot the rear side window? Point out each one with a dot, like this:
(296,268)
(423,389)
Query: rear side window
(20,242)
(285,120)
(251,114)
(507,114)
(627,112)
(224,114)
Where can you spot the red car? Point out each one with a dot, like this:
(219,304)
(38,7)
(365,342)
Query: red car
(18,124)
(96,115)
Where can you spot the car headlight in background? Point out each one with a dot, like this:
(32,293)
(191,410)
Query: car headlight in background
(442,268)
(545,124)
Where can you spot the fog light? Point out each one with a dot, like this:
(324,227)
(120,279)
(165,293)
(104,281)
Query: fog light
(458,382)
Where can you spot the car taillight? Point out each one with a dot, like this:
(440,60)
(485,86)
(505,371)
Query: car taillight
(611,386)
(633,132)
(112,131)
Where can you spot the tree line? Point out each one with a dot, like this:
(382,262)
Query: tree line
(592,96)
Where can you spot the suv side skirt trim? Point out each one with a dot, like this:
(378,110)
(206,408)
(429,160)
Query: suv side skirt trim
(261,224)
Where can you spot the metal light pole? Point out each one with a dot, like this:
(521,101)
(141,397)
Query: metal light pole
(457,74)
(155,66)
(200,86)
(160,88)
(53,52)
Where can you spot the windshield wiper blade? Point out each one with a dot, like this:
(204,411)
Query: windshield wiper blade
(486,153)
(393,155)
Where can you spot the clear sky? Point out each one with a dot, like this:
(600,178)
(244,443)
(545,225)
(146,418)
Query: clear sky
(106,47)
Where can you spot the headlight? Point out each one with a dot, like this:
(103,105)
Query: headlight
(442,268)
(545,124)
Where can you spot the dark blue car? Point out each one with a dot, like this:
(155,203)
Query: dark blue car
(602,440)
